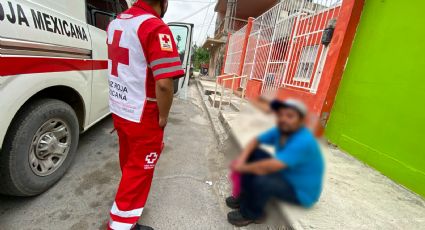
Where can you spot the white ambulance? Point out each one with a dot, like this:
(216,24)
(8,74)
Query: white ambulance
(53,84)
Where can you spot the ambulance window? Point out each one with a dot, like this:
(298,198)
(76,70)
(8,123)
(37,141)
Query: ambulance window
(123,4)
(180,34)
(101,12)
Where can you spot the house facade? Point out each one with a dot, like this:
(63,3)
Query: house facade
(379,110)
(361,79)
(232,15)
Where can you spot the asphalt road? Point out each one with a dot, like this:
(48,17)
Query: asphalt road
(180,197)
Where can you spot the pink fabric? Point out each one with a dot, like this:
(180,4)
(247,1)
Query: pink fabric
(235,179)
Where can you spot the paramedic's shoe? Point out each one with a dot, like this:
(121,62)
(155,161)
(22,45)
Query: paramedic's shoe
(142,227)
(235,218)
(233,203)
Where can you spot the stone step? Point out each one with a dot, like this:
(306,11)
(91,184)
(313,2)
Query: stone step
(216,104)
(209,92)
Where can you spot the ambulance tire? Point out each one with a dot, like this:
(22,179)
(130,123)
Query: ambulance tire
(17,176)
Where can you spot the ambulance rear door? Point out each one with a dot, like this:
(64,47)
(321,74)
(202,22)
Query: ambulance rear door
(182,33)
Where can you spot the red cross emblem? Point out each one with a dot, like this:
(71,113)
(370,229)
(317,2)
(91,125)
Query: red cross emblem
(165,42)
(151,158)
(117,54)
(165,39)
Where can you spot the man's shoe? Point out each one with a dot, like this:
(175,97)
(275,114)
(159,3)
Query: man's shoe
(236,219)
(142,227)
(232,202)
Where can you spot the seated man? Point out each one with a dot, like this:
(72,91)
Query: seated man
(293,175)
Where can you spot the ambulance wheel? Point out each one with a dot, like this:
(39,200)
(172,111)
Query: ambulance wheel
(39,147)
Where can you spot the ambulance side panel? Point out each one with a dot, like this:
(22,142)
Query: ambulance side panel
(29,29)
(72,8)
(18,89)
(41,21)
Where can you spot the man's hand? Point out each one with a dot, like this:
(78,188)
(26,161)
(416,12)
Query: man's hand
(240,168)
(237,164)
(163,122)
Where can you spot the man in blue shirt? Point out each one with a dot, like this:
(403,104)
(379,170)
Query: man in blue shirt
(294,174)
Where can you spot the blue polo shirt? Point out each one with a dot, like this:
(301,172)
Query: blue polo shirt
(303,157)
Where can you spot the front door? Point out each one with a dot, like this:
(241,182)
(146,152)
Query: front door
(182,33)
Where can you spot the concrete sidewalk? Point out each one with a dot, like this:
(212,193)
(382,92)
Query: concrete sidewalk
(183,195)
(355,196)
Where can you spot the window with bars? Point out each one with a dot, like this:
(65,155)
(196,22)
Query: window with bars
(306,64)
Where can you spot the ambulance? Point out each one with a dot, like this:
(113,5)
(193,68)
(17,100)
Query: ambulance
(54,85)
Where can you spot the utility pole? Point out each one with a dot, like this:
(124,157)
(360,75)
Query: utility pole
(230,14)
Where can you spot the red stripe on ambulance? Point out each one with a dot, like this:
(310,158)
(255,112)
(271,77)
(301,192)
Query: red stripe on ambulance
(30,65)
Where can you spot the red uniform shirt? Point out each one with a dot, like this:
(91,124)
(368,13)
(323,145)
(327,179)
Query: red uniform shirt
(141,50)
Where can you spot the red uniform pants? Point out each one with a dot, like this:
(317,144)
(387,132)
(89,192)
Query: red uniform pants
(140,147)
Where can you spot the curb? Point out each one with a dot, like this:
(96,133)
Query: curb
(220,132)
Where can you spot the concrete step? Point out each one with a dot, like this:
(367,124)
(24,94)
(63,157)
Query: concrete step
(234,106)
(216,104)
(210,91)
(238,92)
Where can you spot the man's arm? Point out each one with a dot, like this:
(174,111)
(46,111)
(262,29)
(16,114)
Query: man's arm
(262,167)
(292,155)
(266,138)
(164,96)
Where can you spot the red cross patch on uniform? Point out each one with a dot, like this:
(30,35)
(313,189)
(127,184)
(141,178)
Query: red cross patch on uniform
(165,42)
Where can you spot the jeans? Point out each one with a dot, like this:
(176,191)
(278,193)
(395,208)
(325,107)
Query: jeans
(258,190)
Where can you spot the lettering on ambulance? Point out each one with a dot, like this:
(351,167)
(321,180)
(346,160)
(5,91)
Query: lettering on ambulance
(41,21)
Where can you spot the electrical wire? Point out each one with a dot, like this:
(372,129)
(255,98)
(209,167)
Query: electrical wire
(205,19)
(193,14)
(211,22)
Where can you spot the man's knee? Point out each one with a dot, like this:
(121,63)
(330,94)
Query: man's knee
(258,154)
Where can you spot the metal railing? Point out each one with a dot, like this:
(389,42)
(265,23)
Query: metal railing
(234,51)
(230,77)
(306,51)
(284,46)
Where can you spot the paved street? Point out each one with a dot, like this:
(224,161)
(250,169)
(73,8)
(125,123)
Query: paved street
(180,197)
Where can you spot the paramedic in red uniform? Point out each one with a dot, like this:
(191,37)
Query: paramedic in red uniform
(143,60)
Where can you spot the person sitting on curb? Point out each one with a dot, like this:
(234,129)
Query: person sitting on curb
(294,174)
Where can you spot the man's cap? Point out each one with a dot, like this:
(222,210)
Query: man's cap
(299,106)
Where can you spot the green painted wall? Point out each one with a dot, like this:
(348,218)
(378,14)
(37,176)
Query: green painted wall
(379,113)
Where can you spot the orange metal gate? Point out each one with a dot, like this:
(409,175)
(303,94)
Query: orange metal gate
(283,47)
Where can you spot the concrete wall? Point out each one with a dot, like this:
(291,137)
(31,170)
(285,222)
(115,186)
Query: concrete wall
(379,112)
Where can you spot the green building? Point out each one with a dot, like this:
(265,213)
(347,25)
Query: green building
(379,111)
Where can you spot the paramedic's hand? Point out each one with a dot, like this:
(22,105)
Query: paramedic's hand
(164,97)
(163,122)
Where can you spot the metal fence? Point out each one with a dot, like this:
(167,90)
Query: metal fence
(284,47)
(234,51)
